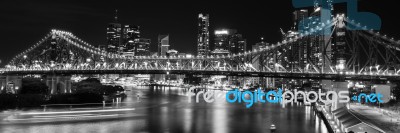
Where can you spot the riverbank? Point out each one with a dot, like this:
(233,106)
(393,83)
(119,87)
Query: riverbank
(322,114)
(389,121)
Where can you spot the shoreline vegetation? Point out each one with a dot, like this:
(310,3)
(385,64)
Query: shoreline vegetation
(34,93)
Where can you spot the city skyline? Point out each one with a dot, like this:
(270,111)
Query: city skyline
(101,15)
(301,66)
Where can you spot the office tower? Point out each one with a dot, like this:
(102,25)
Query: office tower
(130,35)
(114,36)
(221,41)
(237,44)
(142,47)
(103,48)
(319,42)
(298,16)
(203,35)
(300,51)
(228,41)
(260,45)
(163,44)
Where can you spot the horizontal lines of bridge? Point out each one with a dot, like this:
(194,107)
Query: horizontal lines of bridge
(288,75)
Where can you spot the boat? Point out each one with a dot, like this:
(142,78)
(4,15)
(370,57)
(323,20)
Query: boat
(272,128)
(70,116)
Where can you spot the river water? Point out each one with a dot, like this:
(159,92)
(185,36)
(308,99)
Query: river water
(167,110)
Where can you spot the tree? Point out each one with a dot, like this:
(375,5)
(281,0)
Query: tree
(90,85)
(109,90)
(33,86)
(94,86)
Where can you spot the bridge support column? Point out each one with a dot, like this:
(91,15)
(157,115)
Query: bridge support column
(3,84)
(54,82)
(270,82)
(263,82)
(49,82)
(10,84)
(65,84)
(59,84)
(68,85)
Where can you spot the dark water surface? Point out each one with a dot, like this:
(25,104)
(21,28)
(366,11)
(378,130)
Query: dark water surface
(167,110)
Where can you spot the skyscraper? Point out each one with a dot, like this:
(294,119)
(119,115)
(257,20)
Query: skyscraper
(130,35)
(299,52)
(221,41)
(163,44)
(203,35)
(319,43)
(298,16)
(114,36)
(260,45)
(228,41)
(237,44)
(142,47)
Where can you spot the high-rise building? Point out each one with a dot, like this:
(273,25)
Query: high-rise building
(130,34)
(221,41)
(298,16)
(203,35)
(297,54)
(319,43)
(142,47)
(228,41)
(114,36)
(237,44)
(103,48)
(259,62)
(163,45)
(260,45)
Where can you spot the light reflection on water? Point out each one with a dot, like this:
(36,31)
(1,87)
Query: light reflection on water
(167,110)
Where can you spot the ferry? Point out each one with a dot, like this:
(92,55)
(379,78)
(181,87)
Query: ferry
(273,128)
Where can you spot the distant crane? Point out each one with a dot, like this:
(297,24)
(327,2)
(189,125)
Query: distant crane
(283,33)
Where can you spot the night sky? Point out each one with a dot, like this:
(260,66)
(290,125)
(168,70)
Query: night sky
(23,23)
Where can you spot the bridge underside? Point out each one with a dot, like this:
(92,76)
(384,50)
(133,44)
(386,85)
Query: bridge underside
(285,75)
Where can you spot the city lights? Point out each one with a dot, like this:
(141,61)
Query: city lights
(221,32)
(141,72)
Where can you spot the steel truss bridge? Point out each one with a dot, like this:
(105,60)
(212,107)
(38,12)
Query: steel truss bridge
(343,53)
